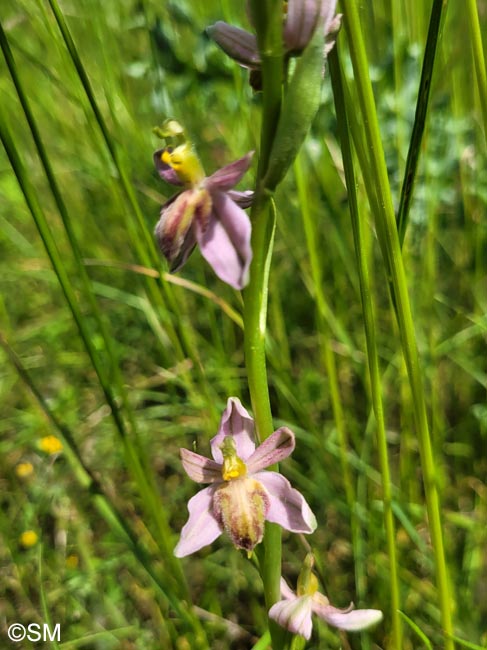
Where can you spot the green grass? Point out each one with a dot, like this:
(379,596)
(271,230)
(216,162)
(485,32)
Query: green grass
(96,321)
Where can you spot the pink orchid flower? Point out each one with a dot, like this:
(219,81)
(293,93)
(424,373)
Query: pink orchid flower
(295,610)
(207,212)
(241,496)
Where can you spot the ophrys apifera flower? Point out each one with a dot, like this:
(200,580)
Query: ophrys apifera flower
(241,496)
(207,212)
(294,612)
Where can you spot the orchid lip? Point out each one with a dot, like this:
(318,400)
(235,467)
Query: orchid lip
(240,507)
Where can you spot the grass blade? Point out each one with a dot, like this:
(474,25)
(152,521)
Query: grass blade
(436,20)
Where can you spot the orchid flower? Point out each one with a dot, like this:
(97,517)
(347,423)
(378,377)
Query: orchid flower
(302,18)
(241,497)
(207,212)
(295,610)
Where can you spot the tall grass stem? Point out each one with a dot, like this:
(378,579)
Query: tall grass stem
(370,336)
(387,230)
(478,57)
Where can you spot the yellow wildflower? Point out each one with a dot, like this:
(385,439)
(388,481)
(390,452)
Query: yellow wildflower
(51,445)
(23,470)
(28,538)
(72,561)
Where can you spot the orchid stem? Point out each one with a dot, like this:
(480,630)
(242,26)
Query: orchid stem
(267,17)
(255,313)
(255,317)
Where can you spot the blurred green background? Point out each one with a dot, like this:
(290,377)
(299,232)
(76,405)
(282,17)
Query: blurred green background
(178,346)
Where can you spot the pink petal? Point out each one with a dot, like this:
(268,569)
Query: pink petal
(302,17)
(288,507)
(294,615)
(201,528)
(199,468)
(237,43)
(352,621)
(330,21)
(243,198)
(225,242)
(227,177)
(286,592)
(238,228)
(235,422)
(166,172)
(275,448)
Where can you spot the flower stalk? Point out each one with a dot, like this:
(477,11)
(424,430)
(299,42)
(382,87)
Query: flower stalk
(255,318)
(281,135)
(235,502)
(268,20)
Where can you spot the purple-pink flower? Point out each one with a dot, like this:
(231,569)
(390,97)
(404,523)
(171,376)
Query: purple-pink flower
(302,18)
(294,612)
(241,496)
(207,212)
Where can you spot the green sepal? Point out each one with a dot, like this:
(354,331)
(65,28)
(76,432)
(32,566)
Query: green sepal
(299,107)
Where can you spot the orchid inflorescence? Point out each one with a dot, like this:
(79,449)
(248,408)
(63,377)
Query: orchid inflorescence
(241,492)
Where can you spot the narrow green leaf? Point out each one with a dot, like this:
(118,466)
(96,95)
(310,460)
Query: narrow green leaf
(420,117)
(417,630)
(468,644)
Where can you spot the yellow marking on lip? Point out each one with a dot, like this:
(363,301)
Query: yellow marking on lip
(233,466)
(184,161)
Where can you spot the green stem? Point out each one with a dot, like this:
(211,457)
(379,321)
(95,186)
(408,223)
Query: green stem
(255,313)
(478,56)
(386,229)
(255,317)
(267,16)
(372,356)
